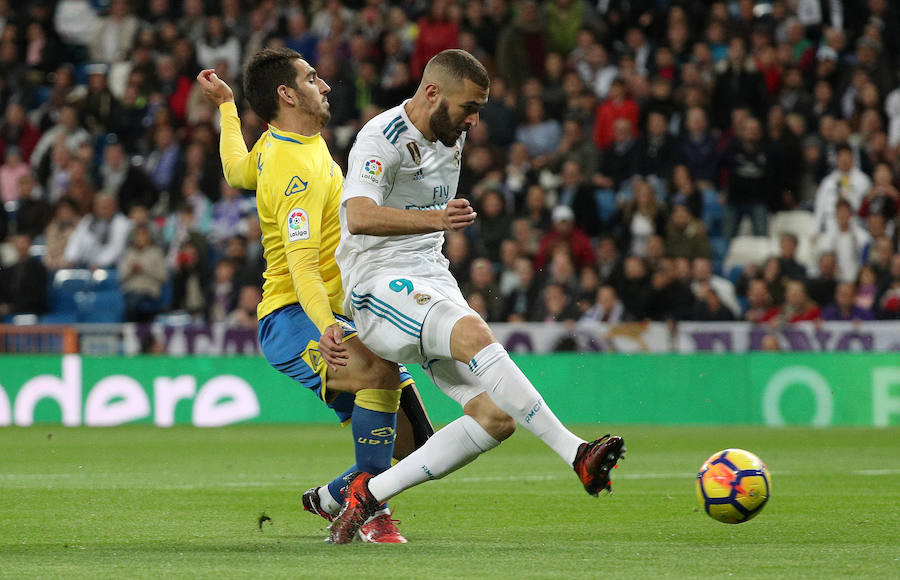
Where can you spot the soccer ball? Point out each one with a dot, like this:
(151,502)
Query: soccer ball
(733,486)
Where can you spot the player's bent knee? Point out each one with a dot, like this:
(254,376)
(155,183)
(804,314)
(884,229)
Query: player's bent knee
(470,336)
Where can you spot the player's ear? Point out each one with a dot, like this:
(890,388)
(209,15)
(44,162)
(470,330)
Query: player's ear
(433,93)
(284,95)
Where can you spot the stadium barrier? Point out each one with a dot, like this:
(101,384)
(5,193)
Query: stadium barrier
(628,338)
(771,389)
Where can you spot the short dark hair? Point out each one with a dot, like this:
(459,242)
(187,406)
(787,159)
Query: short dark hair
(843,147)
(461,65)
(264,73)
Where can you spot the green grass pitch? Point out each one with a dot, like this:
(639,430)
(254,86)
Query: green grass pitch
(145,502)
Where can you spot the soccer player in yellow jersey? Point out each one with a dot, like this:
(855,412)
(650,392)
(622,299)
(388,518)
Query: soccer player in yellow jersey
(298,192)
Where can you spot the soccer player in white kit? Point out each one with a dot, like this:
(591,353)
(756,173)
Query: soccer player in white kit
(399,197)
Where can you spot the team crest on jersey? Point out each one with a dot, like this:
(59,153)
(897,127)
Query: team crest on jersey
(372,171)
(457,156)
(298,225)
(296,185)
(422,299)
(414,152)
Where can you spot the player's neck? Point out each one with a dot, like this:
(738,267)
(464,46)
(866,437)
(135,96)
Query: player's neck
(305,126)
(418,116)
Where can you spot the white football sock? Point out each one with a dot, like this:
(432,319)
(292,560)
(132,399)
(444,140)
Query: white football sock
(328,503)
(511,390)
(454,446)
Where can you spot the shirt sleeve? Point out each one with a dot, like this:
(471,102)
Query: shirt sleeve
(371,168)
(239,165)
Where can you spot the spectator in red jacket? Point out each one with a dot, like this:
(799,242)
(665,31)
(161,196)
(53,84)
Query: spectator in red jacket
(617,106)
(436,33)
(565,232)
(17,131)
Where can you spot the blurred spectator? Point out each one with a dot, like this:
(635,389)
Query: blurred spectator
(575,147)
(535,210)
(846,239)
(493,224)
(617,162)
(76,22)
(456,248)
(821,287)
(709,306)
(844,306)
(114,36)
(556,306)
(670,298)
(99,107)
(787,258)
(500,113)
(797,305)
(846,182)
(128,183)
(244,315)
(655,154)
(686,235)
(23,285)
(299,38)
(100,237)
(33,213)
(142,273)
(12,171)
(748,166)
(66,218)
(67,129)
(566,234)
(222,291)
(642,218)
(760,306)
(635,288)
(163,158)
(573,192)
(702,274)
(606,308)
(227,214)
(16,130)
(482,281)
(436,33)
(617,106)
(521,303)
(540,135)
(883,197)
(521,46)
(684,191)
(737,83)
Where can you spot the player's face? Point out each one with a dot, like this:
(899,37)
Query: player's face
(457,112)
(312,93)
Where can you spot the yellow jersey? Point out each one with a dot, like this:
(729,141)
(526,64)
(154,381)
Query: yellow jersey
(298,195)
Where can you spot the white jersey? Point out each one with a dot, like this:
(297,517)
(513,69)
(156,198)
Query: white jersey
(393,164)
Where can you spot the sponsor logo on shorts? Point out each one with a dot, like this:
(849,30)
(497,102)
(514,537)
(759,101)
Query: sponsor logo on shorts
(372,171)
(298,225)
(422,299)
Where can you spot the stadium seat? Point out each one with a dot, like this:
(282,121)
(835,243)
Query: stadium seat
(104,306)
(734,273)
(59,318)
(719,246)
(104,280)
(744,250)
(66,284)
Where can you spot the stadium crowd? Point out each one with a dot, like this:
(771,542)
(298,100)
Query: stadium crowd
(622,147)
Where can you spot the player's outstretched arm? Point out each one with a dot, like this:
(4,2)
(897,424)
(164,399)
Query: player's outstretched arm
(237,163)
(366,217)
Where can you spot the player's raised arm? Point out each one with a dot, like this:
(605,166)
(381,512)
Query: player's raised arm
(364,216)
(237,163)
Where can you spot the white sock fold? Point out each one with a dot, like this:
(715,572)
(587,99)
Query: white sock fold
(328,503)
(511,390)
(454,446)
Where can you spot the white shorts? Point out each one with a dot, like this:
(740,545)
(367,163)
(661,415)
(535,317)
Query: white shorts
(408,319)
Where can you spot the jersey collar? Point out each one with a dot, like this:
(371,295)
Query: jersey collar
(289,137)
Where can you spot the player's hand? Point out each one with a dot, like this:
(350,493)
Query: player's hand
(458,215)
(215,89)
(331,345)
